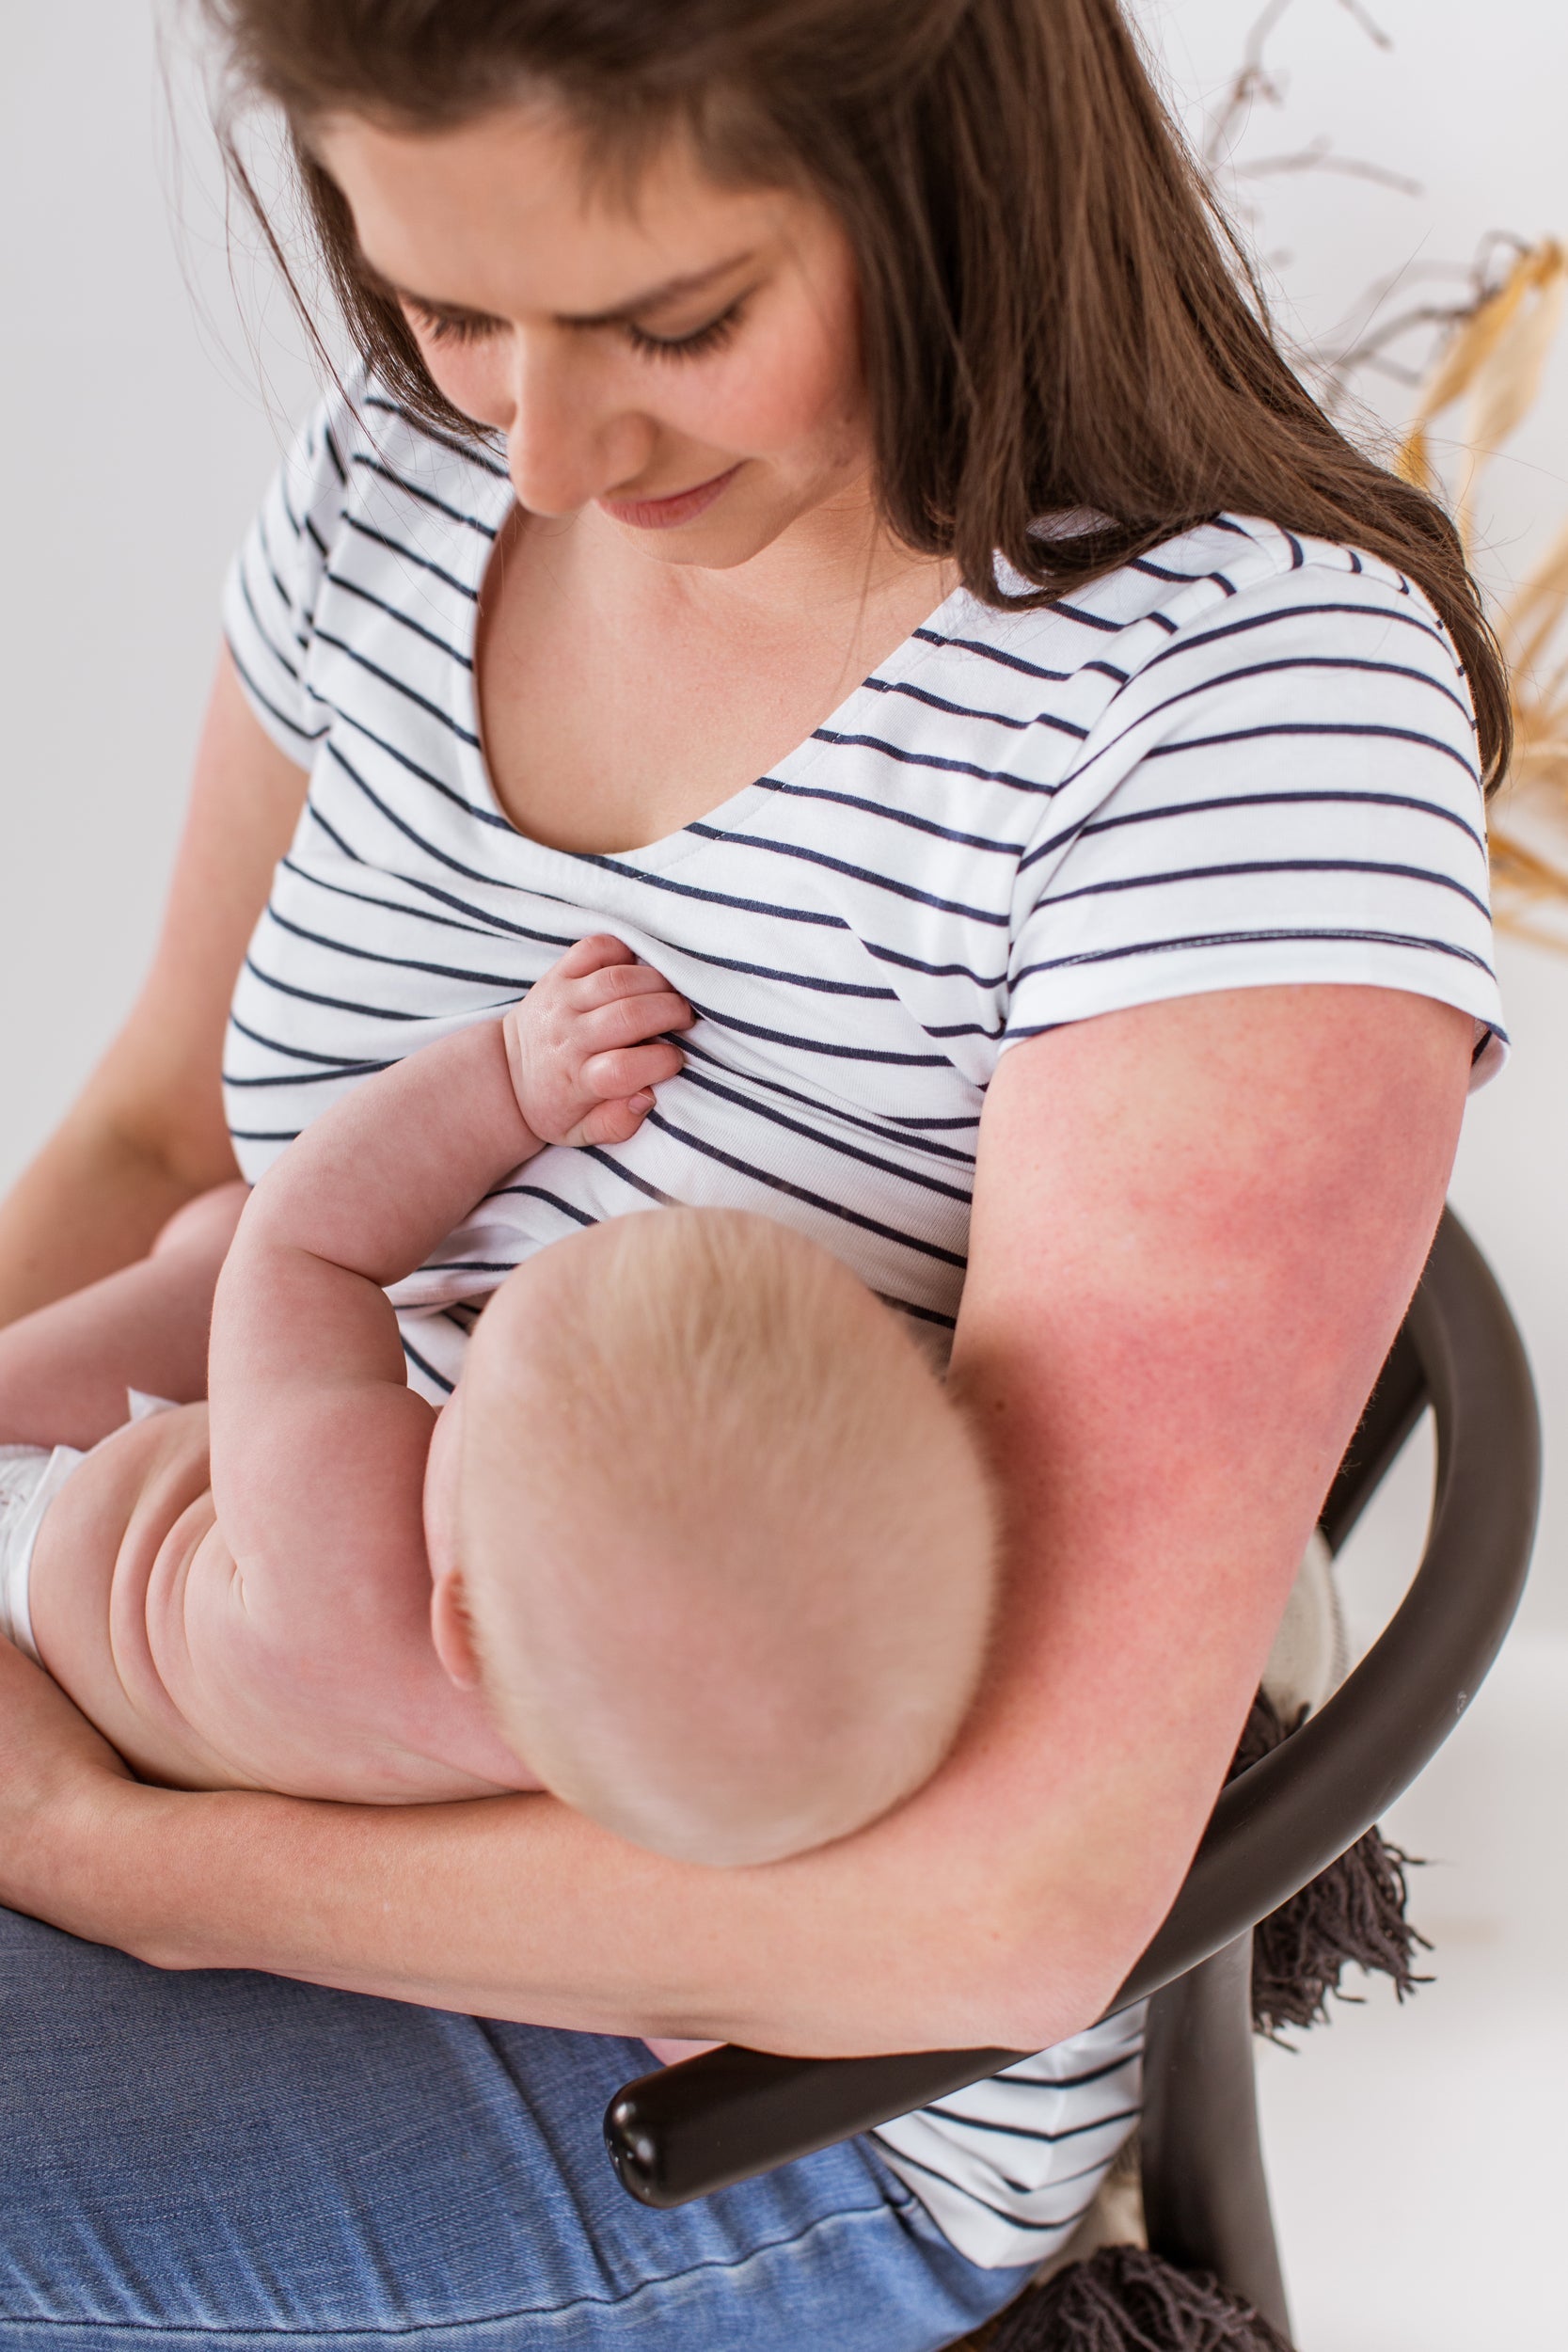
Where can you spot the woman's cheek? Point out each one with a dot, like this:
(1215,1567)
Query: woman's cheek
(787,391)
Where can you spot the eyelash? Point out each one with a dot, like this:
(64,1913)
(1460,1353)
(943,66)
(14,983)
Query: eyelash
(713,337)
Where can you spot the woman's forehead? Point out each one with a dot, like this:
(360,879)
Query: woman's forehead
(507,215)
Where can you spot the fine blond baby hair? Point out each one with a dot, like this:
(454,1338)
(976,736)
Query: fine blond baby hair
(728,1545)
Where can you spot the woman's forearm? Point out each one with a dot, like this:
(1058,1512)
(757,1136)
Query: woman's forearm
(517,1908)
(92,1202)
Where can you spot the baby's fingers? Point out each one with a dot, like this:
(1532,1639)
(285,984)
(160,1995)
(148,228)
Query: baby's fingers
(614,1123)
(631,1069)
(592,954)
(631,1019)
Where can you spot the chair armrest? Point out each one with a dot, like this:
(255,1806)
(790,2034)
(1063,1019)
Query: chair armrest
(711,2120)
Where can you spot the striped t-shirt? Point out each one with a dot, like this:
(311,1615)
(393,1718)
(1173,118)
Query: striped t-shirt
(1249,759)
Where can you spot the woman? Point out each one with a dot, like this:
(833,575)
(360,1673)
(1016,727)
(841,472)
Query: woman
(851,395)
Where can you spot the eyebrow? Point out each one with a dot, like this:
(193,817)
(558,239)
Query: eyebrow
(692,282)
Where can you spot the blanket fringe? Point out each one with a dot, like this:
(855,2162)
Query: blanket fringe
(1126,2299)
(1354,1913)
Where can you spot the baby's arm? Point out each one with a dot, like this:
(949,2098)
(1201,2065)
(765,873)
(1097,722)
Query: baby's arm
(66,1368)
(301,1634)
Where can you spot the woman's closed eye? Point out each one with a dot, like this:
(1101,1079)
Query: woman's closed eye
(472,327)
(452,326)
(711,337)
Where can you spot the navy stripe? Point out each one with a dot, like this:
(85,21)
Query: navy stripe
(1250,939)
(331,448)
(455,865)
(995,653)
(331,1065)
(1271,800)
(427,498)
(263,549)
(471,453)
(400,964)
(628,1175)
(411,555)
(933,971)
(942,765)
(292,726)
(902,1132)
(732,1021)
(1284,728)
(278,656)
(884,811)
(831,1143)
(481,815)
(1175,876)
(1194,641)
(421,1363)
(958,710)
(301,524)
(539,1192)
(716,897)
(364,897)
(404,620)
(398,686)
(921,1314)
(1219,680)
(801,1192)
(1005,2213)
(336,1004)
(306,1077)
(855,873)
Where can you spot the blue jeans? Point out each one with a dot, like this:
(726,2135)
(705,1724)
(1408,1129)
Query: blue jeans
(230,2159)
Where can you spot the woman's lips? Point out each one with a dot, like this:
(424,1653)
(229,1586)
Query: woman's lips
(663,514)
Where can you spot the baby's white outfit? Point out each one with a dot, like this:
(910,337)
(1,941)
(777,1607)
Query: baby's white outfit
(30,1478)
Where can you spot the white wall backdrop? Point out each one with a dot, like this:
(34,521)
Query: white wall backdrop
(134,436)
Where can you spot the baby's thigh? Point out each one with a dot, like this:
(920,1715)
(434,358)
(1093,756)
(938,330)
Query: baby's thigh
(206,1224)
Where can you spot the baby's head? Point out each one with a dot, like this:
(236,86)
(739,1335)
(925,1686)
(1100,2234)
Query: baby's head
(726,1544)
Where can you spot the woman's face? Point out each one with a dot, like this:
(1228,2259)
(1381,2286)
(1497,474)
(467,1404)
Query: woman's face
(688,361)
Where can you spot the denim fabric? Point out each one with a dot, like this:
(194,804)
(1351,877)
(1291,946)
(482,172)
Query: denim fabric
(230,2159)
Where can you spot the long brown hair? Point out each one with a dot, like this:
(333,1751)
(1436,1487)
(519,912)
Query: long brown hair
(1057,318)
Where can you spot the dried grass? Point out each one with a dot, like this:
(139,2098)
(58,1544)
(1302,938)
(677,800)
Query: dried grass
(1494,332)
(1493,362)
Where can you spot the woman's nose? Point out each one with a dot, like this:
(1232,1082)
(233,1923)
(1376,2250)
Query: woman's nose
(568,440)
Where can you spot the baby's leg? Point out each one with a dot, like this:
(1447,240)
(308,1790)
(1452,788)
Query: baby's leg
(65,1370)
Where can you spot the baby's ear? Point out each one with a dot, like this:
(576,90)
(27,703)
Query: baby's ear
(452,1630)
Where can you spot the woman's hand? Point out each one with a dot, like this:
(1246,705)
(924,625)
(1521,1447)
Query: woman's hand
(58,1776)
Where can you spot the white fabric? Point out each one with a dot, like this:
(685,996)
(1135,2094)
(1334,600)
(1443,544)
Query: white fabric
(1248,760)
(30,1478)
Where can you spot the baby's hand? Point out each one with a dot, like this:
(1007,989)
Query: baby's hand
(585,1047)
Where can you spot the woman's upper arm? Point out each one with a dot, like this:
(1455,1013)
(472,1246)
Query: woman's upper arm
(159,1085)
(1197,1226)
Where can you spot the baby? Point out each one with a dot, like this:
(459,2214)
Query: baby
(699,1544)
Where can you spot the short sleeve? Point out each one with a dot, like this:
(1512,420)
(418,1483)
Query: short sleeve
(269,600)
(1286,790)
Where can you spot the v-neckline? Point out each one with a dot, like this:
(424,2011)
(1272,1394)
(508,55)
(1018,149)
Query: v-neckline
(725,815)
